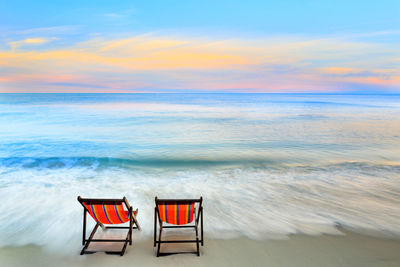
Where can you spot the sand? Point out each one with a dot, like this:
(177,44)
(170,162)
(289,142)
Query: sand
(350,249)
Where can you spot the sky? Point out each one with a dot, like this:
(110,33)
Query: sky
(200,46)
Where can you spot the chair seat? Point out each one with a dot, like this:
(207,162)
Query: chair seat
(108,214)
(175,213)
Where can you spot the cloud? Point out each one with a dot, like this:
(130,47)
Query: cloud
(154,61)
(120,15)
(29,41)
(55,30)
(339,70)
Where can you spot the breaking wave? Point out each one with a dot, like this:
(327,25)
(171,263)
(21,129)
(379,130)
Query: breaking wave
(259,201)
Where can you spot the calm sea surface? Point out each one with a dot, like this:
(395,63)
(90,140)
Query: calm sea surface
(267,165)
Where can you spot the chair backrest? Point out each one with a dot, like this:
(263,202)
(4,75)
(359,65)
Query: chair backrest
(176,211)
(106,211)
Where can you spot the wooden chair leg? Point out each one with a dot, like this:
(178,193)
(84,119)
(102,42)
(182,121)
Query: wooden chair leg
(124,247)
(90,239)
(197,240)
(201,222)
(159,241)
(155,226)
(130,228)
(84,227)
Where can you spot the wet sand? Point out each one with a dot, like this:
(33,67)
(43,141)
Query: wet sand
(350,249)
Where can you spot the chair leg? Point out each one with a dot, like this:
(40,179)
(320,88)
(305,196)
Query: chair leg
(90,239)
(130,228)
(159,241)
(84,227)
(201,221)
(155,226)
(124,247)
(197,241)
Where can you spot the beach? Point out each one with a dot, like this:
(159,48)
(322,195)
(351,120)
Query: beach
(349,249)
(278,174)
(267,131)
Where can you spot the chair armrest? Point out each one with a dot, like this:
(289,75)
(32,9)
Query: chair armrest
(126,203)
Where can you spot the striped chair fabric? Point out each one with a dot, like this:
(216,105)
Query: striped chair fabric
(108,214)
(176,213)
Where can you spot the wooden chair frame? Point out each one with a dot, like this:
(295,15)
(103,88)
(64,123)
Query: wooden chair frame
(197,219)
(100,201)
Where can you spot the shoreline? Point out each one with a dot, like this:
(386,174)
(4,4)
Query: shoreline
(349,249)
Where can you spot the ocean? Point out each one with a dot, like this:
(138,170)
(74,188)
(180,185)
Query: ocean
(267,165)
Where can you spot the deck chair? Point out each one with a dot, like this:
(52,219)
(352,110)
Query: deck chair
(178,213)
(108,211)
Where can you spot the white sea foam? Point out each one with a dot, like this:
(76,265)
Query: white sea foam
(39,205)
(267,165)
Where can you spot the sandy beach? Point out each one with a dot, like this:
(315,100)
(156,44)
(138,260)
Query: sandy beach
(277,173)
(255,133)
(350,249)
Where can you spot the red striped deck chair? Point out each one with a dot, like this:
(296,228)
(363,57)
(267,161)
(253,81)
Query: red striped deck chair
(178,213)
(108,212)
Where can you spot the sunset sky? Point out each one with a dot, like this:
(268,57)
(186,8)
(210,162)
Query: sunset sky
(200,46)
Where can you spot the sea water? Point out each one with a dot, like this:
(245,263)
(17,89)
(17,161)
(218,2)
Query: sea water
(267,165)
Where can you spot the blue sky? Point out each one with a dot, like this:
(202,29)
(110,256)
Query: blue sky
(221,46)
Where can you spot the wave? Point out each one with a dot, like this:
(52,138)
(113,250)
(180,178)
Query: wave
(106,162)
(259,202)
(114,162)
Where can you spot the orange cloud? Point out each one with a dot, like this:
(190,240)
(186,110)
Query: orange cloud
(275,64)
(339,70)
(29,41)
(393,81)
(178,58)
(34,41)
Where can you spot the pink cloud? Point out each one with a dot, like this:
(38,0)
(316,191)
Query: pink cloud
(154,63)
